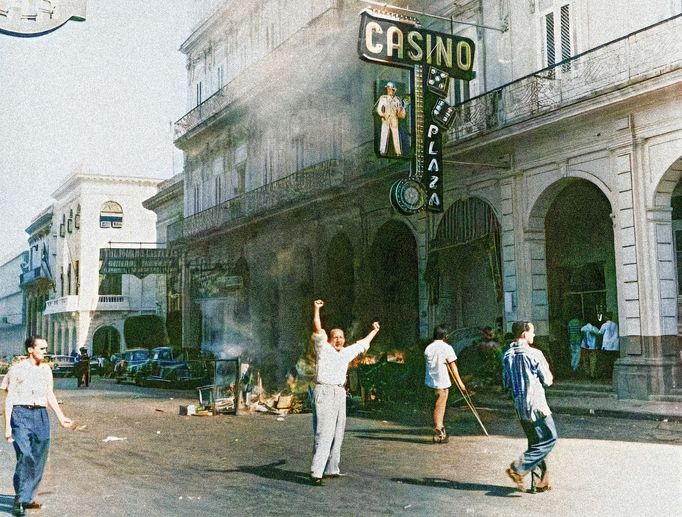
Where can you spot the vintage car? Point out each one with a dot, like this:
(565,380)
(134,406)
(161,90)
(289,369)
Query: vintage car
(163,370)
(127,368)
(62,365)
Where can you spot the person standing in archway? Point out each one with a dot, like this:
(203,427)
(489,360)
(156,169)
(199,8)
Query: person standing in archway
(332,360)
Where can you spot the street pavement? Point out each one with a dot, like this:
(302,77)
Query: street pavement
(166,464)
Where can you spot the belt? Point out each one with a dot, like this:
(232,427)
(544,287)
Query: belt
(29,407)
(326,384)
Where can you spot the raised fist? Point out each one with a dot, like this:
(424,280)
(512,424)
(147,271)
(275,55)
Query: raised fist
(318,303)
(376,326)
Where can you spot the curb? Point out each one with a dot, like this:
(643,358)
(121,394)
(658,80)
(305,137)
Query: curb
(580,411)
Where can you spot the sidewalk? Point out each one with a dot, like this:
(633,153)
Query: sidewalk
(588,399)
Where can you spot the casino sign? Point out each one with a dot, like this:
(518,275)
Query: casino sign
(29,18)
(433,58)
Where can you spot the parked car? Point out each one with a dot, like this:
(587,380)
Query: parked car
(62,365)
(127,368)
(162,369)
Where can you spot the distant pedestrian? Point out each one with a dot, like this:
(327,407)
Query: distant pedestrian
(330,394)
(589,349)
(525,373)
(610,344)
(574,338)
(83,368)
(27,426)
(437,356)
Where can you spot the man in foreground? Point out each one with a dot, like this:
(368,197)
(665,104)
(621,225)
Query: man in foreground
(330,394)
(525,372)
(27,425)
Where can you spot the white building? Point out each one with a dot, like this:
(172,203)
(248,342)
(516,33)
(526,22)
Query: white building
(88,309)
(12,312)
(561,180)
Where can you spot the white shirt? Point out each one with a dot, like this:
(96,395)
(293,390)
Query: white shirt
(332,365)
(28,384)
(436,355)
(610,332)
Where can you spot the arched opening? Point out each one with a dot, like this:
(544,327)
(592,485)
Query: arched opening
(106,341)
(581,270)
(394,285)
(294,306)
(339,283)
(464,271)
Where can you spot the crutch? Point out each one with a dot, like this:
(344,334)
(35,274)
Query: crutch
(466,397)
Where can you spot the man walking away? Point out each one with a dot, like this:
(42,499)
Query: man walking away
(330,394)
(27,425)
(525,372)
(437,356)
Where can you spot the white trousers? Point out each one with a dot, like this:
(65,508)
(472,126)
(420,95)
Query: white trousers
(330,424)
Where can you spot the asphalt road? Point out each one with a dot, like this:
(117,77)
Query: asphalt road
(168,464)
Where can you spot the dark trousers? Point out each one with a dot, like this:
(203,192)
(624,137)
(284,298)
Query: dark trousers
(541,436)
(31,434)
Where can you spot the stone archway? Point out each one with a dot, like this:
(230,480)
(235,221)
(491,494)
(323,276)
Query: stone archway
(393,284)
(106,341)
(579,260)
(464,271)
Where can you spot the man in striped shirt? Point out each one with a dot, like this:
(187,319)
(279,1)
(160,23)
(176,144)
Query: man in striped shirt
(525,372)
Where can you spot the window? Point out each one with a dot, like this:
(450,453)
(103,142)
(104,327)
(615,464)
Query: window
(220,77)
(111,215)
(198,93)
(239,179)
(68,280)
(77,270)
(196,198)
(558,45)
(217,189)
(299,144)
(269,166)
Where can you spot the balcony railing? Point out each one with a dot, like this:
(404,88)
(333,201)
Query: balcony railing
(289,190)
(117,302)
(112,302)
(32,275)
(639,56)
(63,304)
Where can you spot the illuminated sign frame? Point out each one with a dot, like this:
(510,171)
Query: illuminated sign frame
(386,41)
(27,20)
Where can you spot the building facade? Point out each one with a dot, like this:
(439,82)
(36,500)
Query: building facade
(86,308)
(12,308)
(560,176)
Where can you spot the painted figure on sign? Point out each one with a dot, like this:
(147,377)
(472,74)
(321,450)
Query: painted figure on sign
(391,109)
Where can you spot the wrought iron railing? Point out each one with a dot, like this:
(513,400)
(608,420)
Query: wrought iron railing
(276,195)
(636,57)
(214,104)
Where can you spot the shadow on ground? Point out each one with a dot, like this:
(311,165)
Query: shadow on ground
(268,471)
(491,490)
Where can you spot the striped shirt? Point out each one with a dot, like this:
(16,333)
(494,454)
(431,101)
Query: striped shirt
(525,372)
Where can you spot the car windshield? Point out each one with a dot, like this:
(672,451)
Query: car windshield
(139,355)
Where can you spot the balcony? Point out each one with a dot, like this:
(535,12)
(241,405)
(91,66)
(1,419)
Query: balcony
(290,190)
(63,304)
(33,275)
(632,59)
(117,302)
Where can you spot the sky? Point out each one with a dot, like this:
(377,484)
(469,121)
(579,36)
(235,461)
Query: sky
(100,94)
